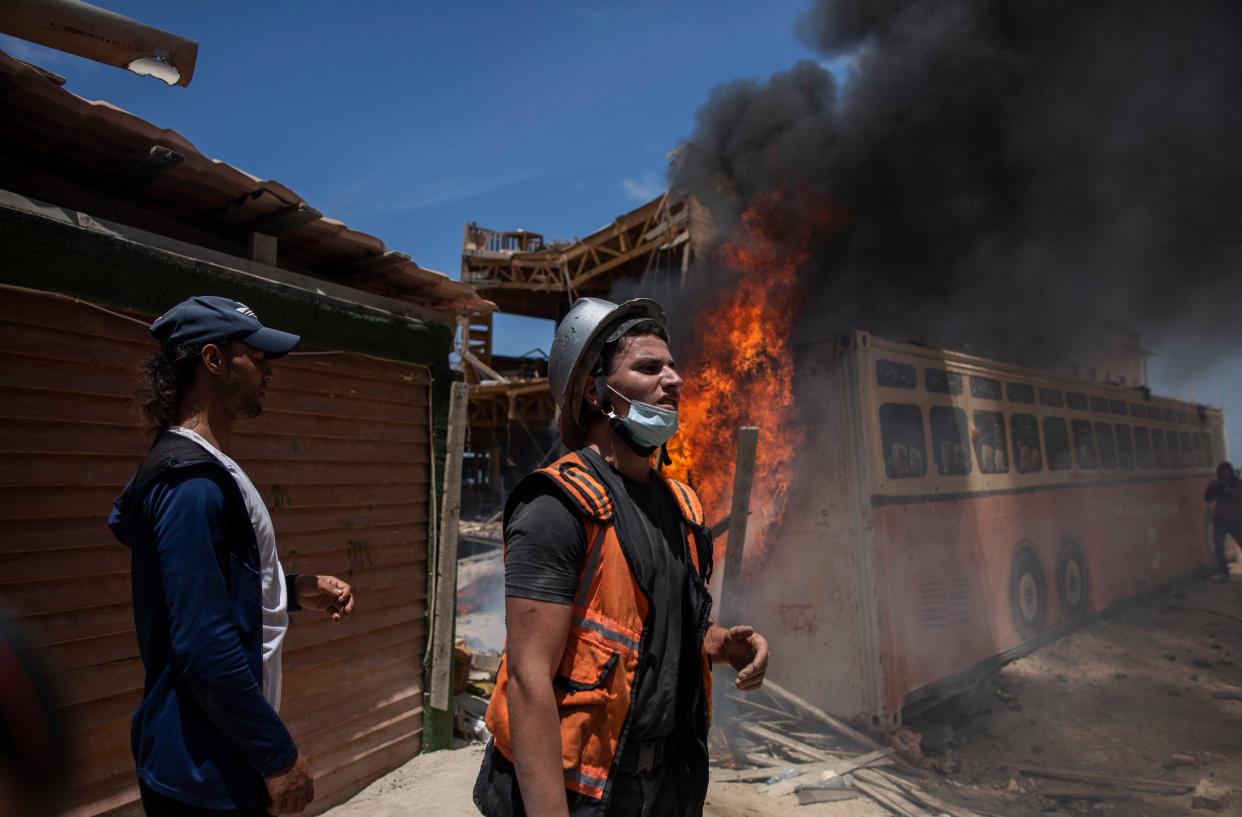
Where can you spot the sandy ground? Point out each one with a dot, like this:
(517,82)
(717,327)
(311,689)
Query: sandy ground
(439,783)
(1121,697)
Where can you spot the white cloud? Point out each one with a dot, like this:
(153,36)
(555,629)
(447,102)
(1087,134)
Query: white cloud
(646,187)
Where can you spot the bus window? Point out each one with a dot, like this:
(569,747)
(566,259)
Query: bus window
(1175,456)
(1107,444)
(991,448)
(1125,448)
(1056,444)
(1201,459)
(1020,392)
(1050,397)
(1142,448)
(1188,456)
(940,381)
(949,434)
(895,375)
(1138,410)
(1118,407)
(985,387)
(901,432)
(1026,452)
(1084,444)
(1076,400)
(1159,452)
(1099,404)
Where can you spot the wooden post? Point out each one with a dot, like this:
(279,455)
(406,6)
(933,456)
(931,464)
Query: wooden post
(438,733)
(262,248)
(743,479)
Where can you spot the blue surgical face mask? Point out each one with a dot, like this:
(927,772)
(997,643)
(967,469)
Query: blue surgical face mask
(649,426)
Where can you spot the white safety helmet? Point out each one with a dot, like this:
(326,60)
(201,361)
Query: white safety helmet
(580,337)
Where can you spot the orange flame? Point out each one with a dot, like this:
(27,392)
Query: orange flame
(742,374)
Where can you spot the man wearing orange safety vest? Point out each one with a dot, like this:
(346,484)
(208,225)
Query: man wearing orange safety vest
(603,699)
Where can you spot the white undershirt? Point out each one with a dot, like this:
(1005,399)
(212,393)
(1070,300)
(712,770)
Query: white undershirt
(275,602)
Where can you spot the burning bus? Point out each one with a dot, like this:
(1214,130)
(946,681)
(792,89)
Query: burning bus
(951,513)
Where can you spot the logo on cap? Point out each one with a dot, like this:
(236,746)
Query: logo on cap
(245,310)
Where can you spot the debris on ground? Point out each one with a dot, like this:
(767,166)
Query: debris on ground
(785,745)
(473,692)
(1211,796)
(480,536)
(1111,726)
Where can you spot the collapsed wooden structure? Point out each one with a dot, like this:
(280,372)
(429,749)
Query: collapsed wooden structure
(524,273)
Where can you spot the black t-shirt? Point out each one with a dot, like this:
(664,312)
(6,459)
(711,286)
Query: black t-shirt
(545,547)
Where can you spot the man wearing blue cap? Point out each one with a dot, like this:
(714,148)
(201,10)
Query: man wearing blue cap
(211,602)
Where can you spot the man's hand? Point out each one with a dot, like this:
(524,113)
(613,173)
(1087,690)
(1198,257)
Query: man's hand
(743,649)
(293,789)
(327,593)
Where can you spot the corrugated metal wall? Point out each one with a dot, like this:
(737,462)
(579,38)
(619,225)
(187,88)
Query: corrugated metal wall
(341,453)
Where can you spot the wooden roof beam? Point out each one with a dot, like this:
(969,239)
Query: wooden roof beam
(369,264)
(285,220)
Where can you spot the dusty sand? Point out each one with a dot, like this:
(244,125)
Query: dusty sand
(1120,696)
(439,783)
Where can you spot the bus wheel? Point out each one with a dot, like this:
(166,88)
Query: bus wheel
(1072,584)
(1028,592)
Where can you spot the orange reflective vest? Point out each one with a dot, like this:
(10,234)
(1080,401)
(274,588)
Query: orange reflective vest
(595,682)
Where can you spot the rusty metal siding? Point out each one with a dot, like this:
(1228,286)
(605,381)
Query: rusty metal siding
(340,453)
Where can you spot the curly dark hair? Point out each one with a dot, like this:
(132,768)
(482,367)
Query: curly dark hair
(608,358)
(611,351)
(166,375)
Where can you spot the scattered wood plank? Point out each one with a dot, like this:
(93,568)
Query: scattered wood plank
(911,790)
(837,724)
(776,713)
(1132,783)
(809,796)
(739,775)
(821,772)
(891,800)
(789,743)
(822,740)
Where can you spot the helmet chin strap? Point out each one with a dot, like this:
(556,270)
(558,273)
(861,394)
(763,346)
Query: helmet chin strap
(614,422)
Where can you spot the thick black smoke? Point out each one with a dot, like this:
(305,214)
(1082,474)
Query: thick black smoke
(1012,171)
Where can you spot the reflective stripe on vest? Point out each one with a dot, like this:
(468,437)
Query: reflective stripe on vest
(599,665)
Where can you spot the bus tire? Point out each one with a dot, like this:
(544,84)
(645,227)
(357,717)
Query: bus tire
(1028,592)
(1073,585)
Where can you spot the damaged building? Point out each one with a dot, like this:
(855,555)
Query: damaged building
(106,220)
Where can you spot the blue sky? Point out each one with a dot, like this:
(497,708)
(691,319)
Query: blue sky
(407,120)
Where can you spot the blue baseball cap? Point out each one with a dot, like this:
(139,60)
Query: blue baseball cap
(213,319)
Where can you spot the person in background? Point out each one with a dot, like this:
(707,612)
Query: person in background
(1226,492)
(211,601)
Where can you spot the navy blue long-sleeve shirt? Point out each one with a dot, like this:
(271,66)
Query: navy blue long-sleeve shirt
(203,734)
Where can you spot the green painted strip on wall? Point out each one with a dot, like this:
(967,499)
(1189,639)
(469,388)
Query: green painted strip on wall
(42,254)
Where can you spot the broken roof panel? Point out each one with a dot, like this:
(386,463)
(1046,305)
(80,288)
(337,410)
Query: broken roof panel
(107,150)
